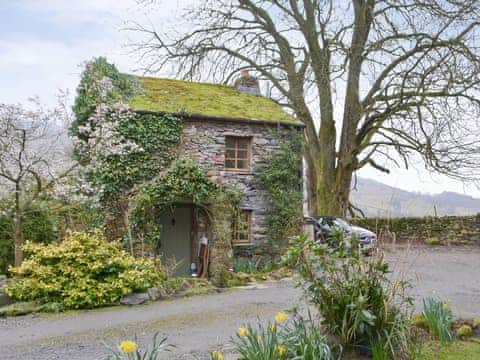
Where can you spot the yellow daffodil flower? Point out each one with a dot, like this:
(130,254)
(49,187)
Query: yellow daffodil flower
(243,331)
(128,346)
(217,355)
(281,317)
(282,350)
(272,328)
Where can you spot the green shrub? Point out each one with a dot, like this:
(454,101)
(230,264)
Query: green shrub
(464,331)
(439,318)
(305,341)
(433,240)
(82,271)
(358,303)
(419,321)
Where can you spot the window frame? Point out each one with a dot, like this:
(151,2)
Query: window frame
(236,149)
(235,229)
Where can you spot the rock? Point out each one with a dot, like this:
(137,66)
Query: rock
(157,293)
(5,299)
(135,299)
(20,308)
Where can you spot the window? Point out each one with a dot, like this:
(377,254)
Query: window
(242,228)
(237,153)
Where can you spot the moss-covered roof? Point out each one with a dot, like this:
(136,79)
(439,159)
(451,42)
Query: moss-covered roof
(176,96)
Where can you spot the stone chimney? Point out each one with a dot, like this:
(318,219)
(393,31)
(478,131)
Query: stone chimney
(247,83)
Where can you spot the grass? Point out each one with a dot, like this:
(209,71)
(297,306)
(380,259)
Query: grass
(457,350)
(207,99)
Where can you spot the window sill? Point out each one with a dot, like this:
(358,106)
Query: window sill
(239,171)
(243,245)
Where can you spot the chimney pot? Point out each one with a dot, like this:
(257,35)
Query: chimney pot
(247,83)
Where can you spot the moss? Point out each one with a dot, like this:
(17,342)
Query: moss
(476,323)
(433,240)
(419,321)
(206,99)
(453,351)
(464,331)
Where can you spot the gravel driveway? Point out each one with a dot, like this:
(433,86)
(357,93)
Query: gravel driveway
(197,325)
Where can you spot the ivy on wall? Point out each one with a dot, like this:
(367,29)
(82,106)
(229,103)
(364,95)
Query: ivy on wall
(281,176)
(156,135)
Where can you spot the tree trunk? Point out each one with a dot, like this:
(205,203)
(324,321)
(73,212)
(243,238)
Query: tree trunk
(17,229)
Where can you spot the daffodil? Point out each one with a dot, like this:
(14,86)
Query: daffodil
(128,346)
(272,328)
(217,355)
(281,317)
(281,349)
(243,331)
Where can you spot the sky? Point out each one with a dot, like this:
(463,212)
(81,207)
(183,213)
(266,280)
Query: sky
(43,44)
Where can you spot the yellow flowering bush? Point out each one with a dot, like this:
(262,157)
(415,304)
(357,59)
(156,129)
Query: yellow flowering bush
(83,271)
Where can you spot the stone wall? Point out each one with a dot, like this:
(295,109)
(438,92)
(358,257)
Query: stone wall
(204,142)
(430,230)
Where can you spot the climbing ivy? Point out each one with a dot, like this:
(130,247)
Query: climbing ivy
(156,135)
(281,176)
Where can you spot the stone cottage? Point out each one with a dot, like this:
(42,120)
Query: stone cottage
(227,131)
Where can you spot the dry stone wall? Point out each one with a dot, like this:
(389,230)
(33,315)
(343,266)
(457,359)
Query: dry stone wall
(430,230)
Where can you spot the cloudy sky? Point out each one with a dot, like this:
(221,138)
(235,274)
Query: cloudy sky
(44,42)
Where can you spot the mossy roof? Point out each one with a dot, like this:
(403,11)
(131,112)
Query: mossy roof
(220,101)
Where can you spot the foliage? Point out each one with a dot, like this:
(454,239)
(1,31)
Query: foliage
(284,338)
(224,101)
(419,321)
(45,221)
(83,271)
(261,343)
(358,303)
(251,266)
(89,89)
(119,148)
(128,350)
(155,135)
(464,331)
(281,176)
(183,181)
(305,341)
(439,318)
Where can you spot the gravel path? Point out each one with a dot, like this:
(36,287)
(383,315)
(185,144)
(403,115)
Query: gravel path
(199,324)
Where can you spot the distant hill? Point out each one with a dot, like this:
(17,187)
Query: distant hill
(378,199)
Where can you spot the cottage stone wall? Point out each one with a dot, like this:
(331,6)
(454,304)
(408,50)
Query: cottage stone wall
(204,142)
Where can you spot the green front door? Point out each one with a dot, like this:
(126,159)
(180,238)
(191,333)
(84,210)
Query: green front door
(175,238)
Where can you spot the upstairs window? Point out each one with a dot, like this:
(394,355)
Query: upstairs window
(242,228)
(237,153)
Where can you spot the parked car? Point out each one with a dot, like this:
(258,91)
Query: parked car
(324,225)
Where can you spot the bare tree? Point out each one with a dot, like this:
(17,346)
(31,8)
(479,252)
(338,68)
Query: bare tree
(33,156)
(399,78)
